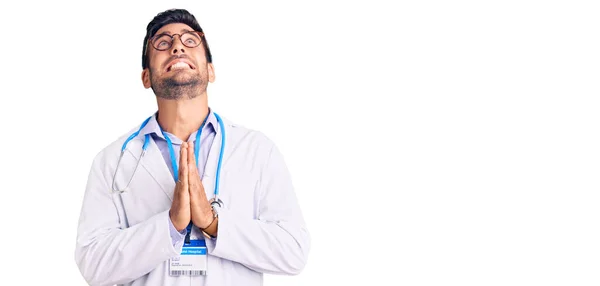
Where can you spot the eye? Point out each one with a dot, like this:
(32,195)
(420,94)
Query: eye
(162,44)
(190,42)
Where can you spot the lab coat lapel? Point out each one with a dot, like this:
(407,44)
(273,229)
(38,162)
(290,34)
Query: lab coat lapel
(208,179)
(154,163)
(210,171)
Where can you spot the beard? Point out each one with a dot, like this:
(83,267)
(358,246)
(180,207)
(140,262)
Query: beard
(185,84)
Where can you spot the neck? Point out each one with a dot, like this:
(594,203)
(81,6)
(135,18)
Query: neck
(182,117)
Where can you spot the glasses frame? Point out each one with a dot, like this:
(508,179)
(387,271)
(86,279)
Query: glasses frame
(200,34)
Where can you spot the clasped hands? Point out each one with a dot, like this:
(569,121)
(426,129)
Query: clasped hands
(189,200)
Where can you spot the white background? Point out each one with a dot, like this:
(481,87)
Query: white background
(430,142)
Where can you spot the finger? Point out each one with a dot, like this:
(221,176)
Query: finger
(191,156)
(194,175)
(183,165)
(193,170)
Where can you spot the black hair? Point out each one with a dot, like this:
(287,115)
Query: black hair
(169,17)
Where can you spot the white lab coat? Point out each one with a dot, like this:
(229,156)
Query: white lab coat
(261,228)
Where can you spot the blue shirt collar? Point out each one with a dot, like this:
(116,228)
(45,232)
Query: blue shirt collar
(153,128)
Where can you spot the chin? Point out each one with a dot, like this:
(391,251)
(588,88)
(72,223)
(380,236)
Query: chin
(183,78)
(177,85)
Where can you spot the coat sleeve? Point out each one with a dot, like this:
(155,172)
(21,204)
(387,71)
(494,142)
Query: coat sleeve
(277,241)
(106,254)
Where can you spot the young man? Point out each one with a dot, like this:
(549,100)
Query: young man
(188,197)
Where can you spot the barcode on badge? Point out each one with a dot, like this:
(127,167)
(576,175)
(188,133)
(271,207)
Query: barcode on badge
(187,272)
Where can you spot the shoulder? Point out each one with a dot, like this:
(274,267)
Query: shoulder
(240,132)
(250,140)
(113,148)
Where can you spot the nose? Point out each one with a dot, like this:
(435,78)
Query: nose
(177,47)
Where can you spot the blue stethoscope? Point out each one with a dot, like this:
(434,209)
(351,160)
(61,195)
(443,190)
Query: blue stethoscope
(216,201)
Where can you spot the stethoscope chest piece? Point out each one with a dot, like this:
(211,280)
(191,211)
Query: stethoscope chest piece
(216,203)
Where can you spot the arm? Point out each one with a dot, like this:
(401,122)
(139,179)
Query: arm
(278,241)
(106,254)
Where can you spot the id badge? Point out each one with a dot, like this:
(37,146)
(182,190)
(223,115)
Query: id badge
(192,261)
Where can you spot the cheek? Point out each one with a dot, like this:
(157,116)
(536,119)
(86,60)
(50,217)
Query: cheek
(152,74)
(199,57)
(154,68)
(155,61)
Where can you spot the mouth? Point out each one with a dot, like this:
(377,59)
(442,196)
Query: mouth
(180,64)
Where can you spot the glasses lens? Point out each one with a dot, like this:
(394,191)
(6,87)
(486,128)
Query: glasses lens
(162,42)
(190,39)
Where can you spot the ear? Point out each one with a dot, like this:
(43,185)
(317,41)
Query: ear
(146,78)
(211,72)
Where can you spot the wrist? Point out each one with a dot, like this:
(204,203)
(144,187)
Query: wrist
(209,218)
(208,224)
(178,227)
(211,230)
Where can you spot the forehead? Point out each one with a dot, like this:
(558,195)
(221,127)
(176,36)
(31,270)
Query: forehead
(174,28)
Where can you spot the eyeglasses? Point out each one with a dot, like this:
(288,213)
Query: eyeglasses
(164,42)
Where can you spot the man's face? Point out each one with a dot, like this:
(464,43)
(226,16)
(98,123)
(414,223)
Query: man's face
(179,71)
